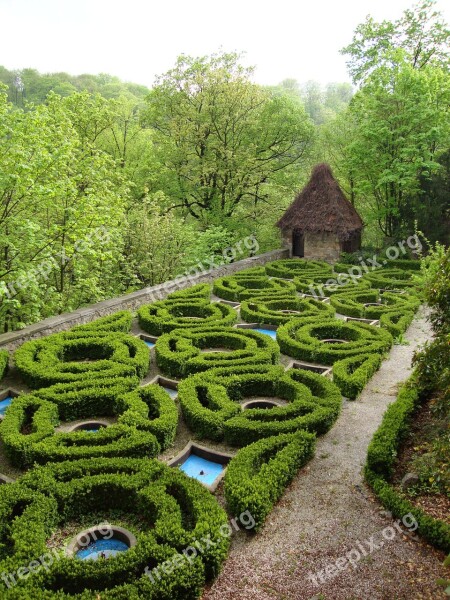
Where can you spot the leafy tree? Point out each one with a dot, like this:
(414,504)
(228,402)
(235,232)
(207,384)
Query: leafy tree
(221,139)
(420,37)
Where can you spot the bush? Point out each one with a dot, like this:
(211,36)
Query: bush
(258,475)
(174,510)
(381,458)
(353,303)
(210,403)
(304,340)
(199,292)
(352,374)
(404,263)
(397,321)
(390,279)
(275,311)
(119,321)
(290,268)
(179,353)
(4,360)
(236,288)
(56,358)
(163,317)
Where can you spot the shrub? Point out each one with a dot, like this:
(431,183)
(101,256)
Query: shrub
(275,311)
(352,374)
(210,403)
(292,267)
(4,359)
(199,292)
(258,475)
(404,263)
(396,321)
(56,358)
(381,457)
(162,317)
(304,340)
(390,279)
(235,288)
(174,510)
(353,303)
(179,353)
(119,321)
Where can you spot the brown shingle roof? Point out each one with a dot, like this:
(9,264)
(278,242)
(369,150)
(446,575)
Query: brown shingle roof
(322,207)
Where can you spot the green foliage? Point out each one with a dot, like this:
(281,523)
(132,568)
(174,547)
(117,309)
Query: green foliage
(288,269)
(249,285)
(59,493)
(4,361)
(210,403)
(352,374)
(275,311)
(258,475)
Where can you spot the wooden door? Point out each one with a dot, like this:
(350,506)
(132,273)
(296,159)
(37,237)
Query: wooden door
(298,244)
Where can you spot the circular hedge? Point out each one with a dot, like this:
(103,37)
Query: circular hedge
(390,279)
(179,353)
(275,311)
(328,286)
(353,304)
(305,341)
(290,268)
(209,402)
(162,317)
(240,288)
(81,355)
(146,425)
(175,513)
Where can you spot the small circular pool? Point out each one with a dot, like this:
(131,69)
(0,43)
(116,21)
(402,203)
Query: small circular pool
(89,426)
(260,404)
(334,341)
(102,549)
(101,542)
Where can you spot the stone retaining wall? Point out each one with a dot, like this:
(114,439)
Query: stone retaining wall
(10,341)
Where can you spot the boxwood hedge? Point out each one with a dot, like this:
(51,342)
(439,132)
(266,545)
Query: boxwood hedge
(175,511)
(381,456)
(390,279)
(397,321)
(4,360)
(210,403)
(162,317)
(258,475)
(179,353)
(275,311)
(351,374)
(288,269)
(305,341)
(353,303)
(236,288)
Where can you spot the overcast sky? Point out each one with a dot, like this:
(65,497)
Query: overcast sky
(138,39)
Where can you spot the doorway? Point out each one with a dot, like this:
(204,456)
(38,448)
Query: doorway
(298,244)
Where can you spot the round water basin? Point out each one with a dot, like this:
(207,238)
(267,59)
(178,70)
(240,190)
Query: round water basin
(90,426)
(266,404)
(101,542)
(334,341)
(374,304)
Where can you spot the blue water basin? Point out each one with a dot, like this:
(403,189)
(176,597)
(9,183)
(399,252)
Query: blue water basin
(272,334)
(172,393)
(100,549)
(4,404)
(149,344)
(206,471)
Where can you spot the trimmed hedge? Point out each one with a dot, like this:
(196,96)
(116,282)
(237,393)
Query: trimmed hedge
(392,279)
(381,456)
(163,317)
(235,288)
(289,268)
(147,423)
(352,374)
(404,263)
(304,340)
(119,321)
(271,311)
(396,322)
(175,512)
(352,304)
(56,358)
(201,291)
(209,402)
(328,286)
(258,475)
(179,353)
(4,360)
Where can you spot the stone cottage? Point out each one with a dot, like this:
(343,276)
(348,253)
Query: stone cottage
(321,223)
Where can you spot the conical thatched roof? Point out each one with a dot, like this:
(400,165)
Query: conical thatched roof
(322,207)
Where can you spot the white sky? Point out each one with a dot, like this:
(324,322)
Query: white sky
(138,39)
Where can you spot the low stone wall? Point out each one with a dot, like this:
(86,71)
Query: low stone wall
(10,341)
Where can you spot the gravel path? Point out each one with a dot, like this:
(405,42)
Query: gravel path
(327,512)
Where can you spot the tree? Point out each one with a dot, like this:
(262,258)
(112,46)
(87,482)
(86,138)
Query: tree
(220,139)
(420,37)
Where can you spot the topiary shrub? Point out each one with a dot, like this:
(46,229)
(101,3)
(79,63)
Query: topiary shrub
(352,374)
(236,288)
(175,513)
(353,303)
(210,403)
(196,293)
(292,267)
(4,360)
(397,321)
(179,353)
(258,475)
(162,317)
(119,321)
(304,341)
(390,279)
(275,311)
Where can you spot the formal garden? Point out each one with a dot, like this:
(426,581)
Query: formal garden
(134,447)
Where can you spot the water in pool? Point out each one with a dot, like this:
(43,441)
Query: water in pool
(273,334)
(102,549)
(149,344)
(172,393)
(204,470)
(4,404)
